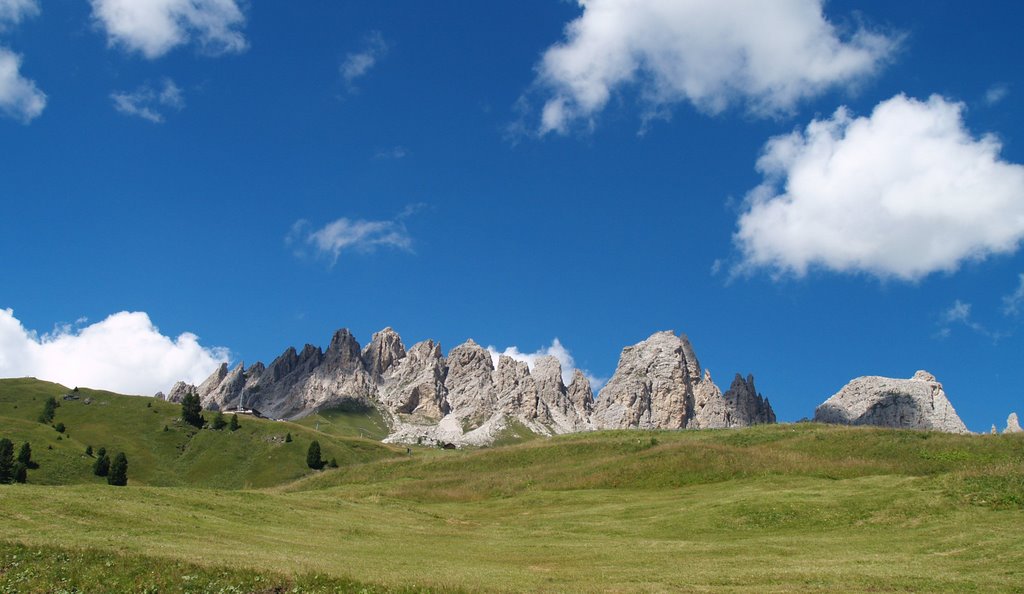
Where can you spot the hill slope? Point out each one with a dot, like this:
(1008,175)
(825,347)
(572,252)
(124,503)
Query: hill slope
(254,456)
(789,508)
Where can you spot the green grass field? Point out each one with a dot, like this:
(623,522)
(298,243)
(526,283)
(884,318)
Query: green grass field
(786,508)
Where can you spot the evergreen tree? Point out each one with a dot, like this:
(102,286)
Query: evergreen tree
(102,465)
(60,427)
(288,438)
(219,422)
(192,410)
(118,471)
(25,455)
(6,460)
(233,425)
(88,450)
(49,409)
(313,456)
(20,473)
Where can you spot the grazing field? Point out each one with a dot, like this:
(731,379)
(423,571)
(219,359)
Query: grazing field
(781,508)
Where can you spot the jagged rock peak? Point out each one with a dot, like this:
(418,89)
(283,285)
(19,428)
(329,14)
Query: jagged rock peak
(580,393)
(1012,424)
(748,406)
(384,350)
(915,403)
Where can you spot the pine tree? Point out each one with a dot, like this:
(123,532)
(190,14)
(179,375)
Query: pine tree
(313,456)
(49,409)
(192,410)
(118,471)
(219,422)
(6,460)
(102,465)
(88,450)
(233,425)
(25,456)
(20,473)
(288,438)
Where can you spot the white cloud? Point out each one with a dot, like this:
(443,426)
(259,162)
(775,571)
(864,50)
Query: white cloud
(123,353)
(154,27)
(901,194)
(765,55)
(1013,302)
(149,103)
(351,235)
(557,351)
(20,99)
(13,12)
(959,314)
(357,64)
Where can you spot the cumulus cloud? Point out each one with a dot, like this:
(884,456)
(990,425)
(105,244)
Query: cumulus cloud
(555,350)
(903,193)
(357,64)
(123,353)
(154,27)
(13,12)
(352,235)
(20,99)
(765,55)
(149,103)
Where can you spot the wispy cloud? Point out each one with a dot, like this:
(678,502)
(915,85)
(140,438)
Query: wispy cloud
(959,314)
(393,153)
(1013,302)
(996,93)
(149,103)
(352,235)
(357,64)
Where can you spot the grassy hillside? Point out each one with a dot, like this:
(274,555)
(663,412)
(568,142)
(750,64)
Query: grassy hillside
(254,456)
(788,508)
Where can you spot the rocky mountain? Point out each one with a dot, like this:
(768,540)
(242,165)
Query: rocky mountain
(658,384)
(465,398)
(915,403)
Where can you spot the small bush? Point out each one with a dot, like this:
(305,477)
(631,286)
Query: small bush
(20,473)
(88,451)
(333,463)
(218,421)
(60,427)
(288,438)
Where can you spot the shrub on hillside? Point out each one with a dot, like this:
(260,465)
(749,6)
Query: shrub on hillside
(60,427)
(233,425)
(20,473)
(219,422)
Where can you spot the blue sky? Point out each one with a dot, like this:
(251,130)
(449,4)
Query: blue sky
(253,175)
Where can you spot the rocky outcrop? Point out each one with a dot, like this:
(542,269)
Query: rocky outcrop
(658,384)
(468,399)
(1012,425)
(915,403)
(414,384)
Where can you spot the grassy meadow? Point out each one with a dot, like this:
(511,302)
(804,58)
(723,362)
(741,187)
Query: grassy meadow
(786,508)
